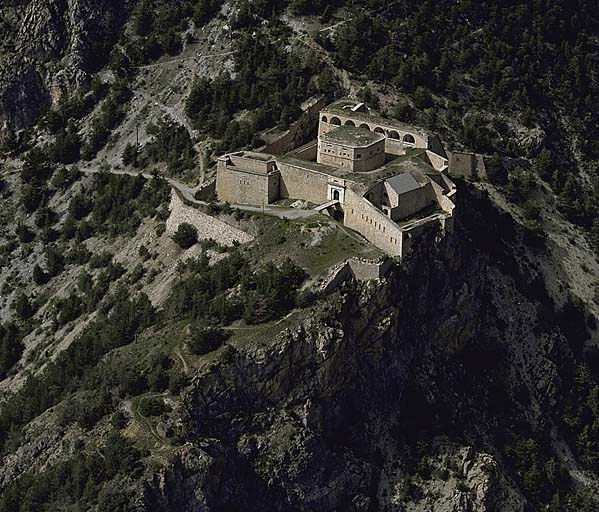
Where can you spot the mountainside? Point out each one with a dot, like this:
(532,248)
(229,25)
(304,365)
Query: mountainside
(50,50)
(162,351)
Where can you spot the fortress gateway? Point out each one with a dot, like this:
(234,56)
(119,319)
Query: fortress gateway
(386,180)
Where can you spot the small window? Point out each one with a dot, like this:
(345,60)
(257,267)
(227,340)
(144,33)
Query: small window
(358,156)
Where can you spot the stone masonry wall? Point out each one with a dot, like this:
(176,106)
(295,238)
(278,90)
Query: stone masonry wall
(364,270)
(303,184)
(298,132)
(207,226)
(374,225)
(240,187)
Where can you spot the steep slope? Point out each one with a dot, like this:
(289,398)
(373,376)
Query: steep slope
(50,52)
(422,392)
(466,380)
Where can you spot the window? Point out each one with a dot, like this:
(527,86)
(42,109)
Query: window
(349,122)
(409,138)
(358,156)
(393,134)
(365,126)
(336,121)
(324,119)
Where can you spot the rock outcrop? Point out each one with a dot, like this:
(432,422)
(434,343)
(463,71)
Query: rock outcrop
(57,45)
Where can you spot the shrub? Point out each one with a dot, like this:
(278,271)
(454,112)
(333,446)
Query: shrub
(186,235)
(39,276)
(24,234)
(152,406)
(23,307)
(119,420)
(204,340)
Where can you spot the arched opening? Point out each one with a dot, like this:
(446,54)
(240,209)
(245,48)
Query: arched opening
(336,121)
(378,129)
(393,134)
(336,195)
(349,122)
(324,119)
(409,138)
(364,125)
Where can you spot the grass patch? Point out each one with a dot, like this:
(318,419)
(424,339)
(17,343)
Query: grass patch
(314,243)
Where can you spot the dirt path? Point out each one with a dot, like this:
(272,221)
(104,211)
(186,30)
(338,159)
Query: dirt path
(183,59)
(147,422)
(259,326)
(182,359)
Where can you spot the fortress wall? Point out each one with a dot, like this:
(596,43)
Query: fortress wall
(336,277)
(374,225)
(368,164)
(207,226)
(242,187)
(395,144)
(397,147)
(480,167)
(462,164)
(299,130)
(438,162)
(206,190)
(435,145)
(364,270)
(303,184)
(413,201)
(252,164)
(307,152)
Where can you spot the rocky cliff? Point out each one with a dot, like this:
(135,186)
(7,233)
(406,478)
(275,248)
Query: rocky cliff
(401,395)
(51,49)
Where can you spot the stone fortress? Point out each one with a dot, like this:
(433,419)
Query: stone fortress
(386,180)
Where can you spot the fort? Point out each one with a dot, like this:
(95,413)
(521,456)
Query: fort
(384,179)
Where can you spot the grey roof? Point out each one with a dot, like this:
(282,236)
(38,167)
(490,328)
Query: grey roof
(403,183)
(352,136)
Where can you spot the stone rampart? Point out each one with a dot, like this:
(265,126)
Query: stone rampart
(364,269)
(304,184)
(467,165)
(299,131)
(207,226)
(239,187)
(362,216)
(206,190)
